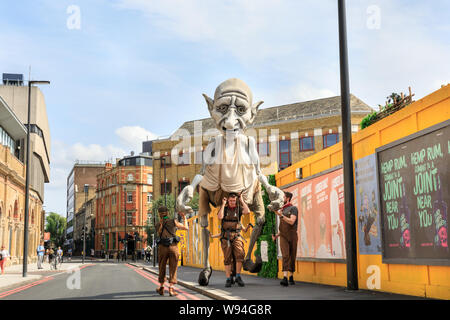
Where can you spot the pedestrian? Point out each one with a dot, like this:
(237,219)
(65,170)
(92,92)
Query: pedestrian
(231,240)
(40,255)
(4,255)
(46,255)
(168,248)
(59,253)
(50,256)
(288,238)
(92,254)
(70,254)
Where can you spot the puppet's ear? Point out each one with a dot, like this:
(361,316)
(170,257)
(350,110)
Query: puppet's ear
(209,102)
(255,107)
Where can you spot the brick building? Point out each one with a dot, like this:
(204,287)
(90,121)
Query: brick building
(83,173)
(285,134)
(126,187)
(88,208)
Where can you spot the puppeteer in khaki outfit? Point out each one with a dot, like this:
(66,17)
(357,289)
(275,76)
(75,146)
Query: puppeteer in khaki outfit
(231,239)
(288,238)
(168,249)
(167,253)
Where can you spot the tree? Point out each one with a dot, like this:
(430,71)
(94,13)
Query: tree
(170,204)
(56,225)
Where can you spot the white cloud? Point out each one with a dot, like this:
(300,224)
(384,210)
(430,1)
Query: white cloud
(250,30)
(132,137)
(297,41)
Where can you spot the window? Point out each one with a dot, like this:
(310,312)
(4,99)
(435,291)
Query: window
(16,210)
(184,159)
(263,149)
(106,221)
(149,197)
(113,221)
(306,143)
(129,197)
(168,187)
(285,154)
(166,161)
(149,178)
(182,184)
(129,219)
(130,177)
(330,139)
(113,199)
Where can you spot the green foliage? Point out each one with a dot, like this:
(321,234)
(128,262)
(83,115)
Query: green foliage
(269,268)
(393,97)
(368,120)
(56,225)
(169,202)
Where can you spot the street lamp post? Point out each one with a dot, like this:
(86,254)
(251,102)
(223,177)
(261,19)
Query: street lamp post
(154,238)
(27,179)
(126,221)
(86,191)
(349,192)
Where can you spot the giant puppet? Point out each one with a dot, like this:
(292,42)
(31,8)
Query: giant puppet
(231,165)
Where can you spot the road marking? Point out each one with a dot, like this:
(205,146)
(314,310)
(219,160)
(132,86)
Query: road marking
(22,288)
(182,292)
(182,295)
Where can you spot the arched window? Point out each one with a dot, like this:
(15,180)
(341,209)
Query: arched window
(16,210)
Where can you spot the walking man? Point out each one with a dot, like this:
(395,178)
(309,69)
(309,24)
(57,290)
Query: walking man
(40,255)
(168,248)
(231,240)
(288,238)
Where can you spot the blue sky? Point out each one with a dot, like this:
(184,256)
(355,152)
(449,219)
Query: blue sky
(137,68)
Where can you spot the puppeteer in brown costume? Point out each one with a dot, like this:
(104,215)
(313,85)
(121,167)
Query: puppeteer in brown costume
(168,248)
(288,237)
(231,240)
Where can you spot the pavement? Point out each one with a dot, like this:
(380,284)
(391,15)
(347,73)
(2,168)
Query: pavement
(258,288)
(13,275)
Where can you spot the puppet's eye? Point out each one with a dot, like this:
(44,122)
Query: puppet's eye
(222,108)
(241,110)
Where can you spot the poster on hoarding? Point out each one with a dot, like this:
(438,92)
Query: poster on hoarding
(321,218)
(413,175)
(367,205)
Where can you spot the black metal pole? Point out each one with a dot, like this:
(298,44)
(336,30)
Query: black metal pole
(86,191)
(27,188)
(349,190)
(27,180)
(126,222)
(165,188)
(154,237)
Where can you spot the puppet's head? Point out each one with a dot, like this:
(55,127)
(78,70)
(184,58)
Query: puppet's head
(232,108)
